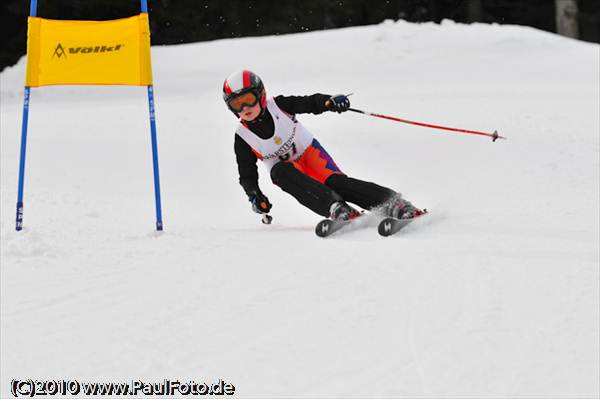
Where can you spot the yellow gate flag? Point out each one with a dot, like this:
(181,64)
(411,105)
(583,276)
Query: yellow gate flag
(116,52)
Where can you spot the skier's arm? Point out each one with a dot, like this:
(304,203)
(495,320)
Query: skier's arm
(246,161)
(314,104)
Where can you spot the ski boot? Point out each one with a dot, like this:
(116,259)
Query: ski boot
(399,208)
(341,211)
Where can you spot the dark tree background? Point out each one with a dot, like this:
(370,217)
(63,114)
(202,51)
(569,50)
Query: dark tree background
(184,21)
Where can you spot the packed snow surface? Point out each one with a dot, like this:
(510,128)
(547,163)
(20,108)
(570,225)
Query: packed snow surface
(494,294)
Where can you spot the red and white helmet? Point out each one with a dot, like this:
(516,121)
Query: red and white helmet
(242,82)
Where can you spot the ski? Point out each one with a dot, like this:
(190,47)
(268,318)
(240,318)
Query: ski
(390,226)
(387,227)
(327,227)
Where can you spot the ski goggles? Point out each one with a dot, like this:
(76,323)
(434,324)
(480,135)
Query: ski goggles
(237,103)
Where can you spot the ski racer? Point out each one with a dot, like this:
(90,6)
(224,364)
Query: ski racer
(268,130)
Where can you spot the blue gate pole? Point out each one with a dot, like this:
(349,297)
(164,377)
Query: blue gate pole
(26,98)
(19,223)
(159,223)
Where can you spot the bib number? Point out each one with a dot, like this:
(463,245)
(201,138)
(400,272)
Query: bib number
(286,156)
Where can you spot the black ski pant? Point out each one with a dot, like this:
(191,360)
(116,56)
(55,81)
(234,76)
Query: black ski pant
(338,187)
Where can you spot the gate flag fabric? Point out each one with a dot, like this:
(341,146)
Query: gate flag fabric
(62,52)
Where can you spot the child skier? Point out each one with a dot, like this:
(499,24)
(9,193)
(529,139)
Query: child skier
(298,164)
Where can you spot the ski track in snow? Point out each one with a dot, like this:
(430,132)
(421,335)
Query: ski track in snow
(494,294)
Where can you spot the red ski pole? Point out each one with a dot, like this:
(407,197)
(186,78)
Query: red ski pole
(494,135)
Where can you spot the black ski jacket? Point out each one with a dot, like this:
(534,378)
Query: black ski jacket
(264,128)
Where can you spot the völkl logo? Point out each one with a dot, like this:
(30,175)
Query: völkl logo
(60,51)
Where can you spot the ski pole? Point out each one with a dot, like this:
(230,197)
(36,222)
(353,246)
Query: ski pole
(494,135)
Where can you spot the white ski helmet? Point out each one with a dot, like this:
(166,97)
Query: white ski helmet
(243,82)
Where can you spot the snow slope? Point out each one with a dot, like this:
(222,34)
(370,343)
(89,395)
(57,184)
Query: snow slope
(495,294)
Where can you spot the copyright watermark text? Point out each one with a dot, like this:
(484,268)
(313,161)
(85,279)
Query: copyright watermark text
(31,388)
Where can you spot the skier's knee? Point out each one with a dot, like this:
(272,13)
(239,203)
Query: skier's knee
(336,179)
(282,171)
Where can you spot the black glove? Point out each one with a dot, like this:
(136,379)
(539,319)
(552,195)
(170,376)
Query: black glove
(260,202)
(339,103)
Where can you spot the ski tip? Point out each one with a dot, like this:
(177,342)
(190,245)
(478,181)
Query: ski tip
(390,226)
(385,227)
(323,228)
